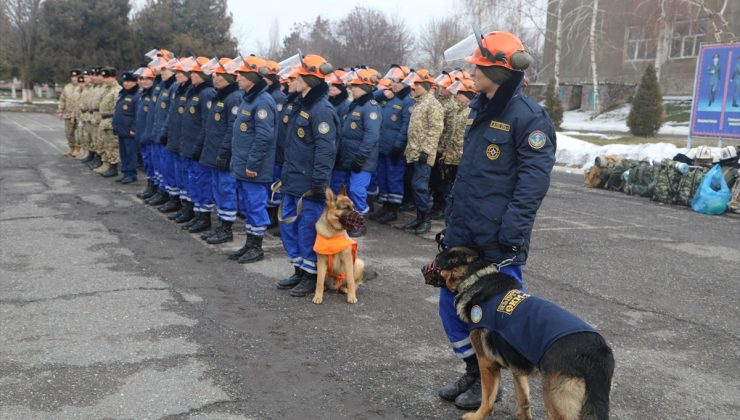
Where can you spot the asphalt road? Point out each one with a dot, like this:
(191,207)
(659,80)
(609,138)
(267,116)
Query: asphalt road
(107,310)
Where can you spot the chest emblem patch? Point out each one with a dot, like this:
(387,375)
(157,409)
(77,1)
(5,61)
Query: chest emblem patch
(192,109)
(181,110)
(300,132)
(125,107)
(476,314)
(353,125)
(394,117)
(243,127)
(217,117)
(285,119)
(493,152)
(537,140)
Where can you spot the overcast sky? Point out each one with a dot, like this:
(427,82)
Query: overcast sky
(252,19)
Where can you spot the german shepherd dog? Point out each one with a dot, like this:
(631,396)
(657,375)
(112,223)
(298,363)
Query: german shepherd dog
(576,366)
(344,267)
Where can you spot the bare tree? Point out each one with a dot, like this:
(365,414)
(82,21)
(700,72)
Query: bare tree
(274,41)
(439,34)
(594,71)
(24,17)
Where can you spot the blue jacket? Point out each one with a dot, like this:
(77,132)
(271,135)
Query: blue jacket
(162,108)
(310,144)
(341,104)
(396,117)
(285,112)
(150,135)
(255,135)
(360,134)
(124,116)
(277,95)
(508,153)
(173,129)
(529,324)
(143,104)
(219,123)
(193,130)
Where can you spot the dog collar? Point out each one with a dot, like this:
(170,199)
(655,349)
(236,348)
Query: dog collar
(487,270)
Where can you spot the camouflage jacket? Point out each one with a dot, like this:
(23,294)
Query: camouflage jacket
(450,106)
(96,96)
(83,104)
(425,128)
(68,100)
(107,104)
(454,149)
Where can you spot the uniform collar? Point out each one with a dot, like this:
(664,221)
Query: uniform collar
(183,87)
(168,83)
(200,87)
(316,93)
(252,93)
(222,93)
(338,99)
(362,100)
(496,105)
(131,91)
(403,93)
(292,97)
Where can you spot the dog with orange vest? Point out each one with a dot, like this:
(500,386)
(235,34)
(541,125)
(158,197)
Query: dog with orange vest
(336,252)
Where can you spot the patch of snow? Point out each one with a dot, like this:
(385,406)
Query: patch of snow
(581,154)
(613,121)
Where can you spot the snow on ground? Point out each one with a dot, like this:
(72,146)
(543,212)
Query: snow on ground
(581,154)
(614,121)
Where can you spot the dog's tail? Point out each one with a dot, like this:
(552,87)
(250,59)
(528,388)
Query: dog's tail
(598,387)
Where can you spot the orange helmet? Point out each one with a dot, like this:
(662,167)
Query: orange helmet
(314,65)
(219,68)
(176,65)
(250,64)
(462,85)
(501,49)
(336,78)
(145,72)
(419,76)
(384,84)
(286,74)
(194,64)
(460,74)
(272,67)
(396,73)
(445,80)
(360,77)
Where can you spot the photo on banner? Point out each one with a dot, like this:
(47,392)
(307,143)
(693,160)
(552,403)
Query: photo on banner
(716,110)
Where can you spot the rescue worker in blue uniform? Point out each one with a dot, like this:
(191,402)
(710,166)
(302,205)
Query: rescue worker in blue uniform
(358,143)
(191,145)
(143,126)
(172,131)
(285,112)
(508,154)
(161,112)
(124,127)
(151,139)
(393,137)
(253,155)
(310,151)
(281,100)
(217,151)
(338,96)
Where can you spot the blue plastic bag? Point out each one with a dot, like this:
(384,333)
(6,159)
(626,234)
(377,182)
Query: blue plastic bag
(713,193)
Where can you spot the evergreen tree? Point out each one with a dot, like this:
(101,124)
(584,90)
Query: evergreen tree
(646,114)
(553,105)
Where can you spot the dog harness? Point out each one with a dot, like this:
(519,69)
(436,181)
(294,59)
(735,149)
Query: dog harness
(527,323)
(332,246)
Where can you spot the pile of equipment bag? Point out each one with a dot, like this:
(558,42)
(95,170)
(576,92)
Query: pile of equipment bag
(671,181)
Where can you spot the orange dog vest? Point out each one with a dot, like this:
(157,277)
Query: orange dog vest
(332,246)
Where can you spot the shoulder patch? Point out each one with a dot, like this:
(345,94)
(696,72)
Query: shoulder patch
(234,110)
(476,314)
(373,101)
(500,126)
(279,107)
(324,127)
(208,104)
(373,115)
(537,140)
(262,114)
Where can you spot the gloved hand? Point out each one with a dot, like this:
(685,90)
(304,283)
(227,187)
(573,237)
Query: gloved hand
(357,164)
(396,154)
(163,140)
(423,158)
(222,162)
(196,155)
(316,194)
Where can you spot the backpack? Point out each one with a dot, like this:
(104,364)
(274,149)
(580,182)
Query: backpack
(615,182)
(688,184)
(597,175)
(666,182)
(641,179)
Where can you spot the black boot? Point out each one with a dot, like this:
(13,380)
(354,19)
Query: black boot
(173,204)
(186,214)
(111,172)
(194,220)
(89,158)
(223,235)
(95,161)
(202,224)
(272,214)
(305,287)
(412,225)
(380,213)
(425,225)
(254,253)
(207,235)
(470,399)
(239,252)
(407,206)
(291,281)
(390,215)
(148,191)
(358,233)
(437,212)
(453,390)
(173,216)
(158,199)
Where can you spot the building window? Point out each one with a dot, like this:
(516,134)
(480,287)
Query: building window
(640,46)
(687,37)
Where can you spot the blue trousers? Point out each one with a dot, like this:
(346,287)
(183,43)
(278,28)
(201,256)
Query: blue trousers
(146,156)
(181,176)
(199,187)
(253,198)
(299,237)
(127,152)
(156,155)
(356,183)
(390,179)
(457,330)
(169,166)
(420,185)
(223,186)
(275,198)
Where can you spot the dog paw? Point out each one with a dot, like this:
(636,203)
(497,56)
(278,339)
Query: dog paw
(469,416)
(351,299)
(318,299)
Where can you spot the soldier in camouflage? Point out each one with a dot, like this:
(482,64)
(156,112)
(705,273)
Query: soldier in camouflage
(436,180)
(96,95)
(67,103)
(462,91)
(83,117)
(425,129)
(106,141)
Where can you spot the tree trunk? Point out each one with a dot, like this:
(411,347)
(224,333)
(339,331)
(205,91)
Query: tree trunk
(594,72)
(663,39)
(558,41)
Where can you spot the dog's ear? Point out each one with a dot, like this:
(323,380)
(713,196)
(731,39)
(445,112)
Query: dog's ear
(455,257)
(330,197)
(343,190)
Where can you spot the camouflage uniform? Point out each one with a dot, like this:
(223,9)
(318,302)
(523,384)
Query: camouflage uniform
(437,182)
(96,97)
(67,103)
(84,116)
(454,148)
(425,129)
(450,106)
(107,141)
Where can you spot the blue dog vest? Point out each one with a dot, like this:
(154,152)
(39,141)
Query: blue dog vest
(527,323)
